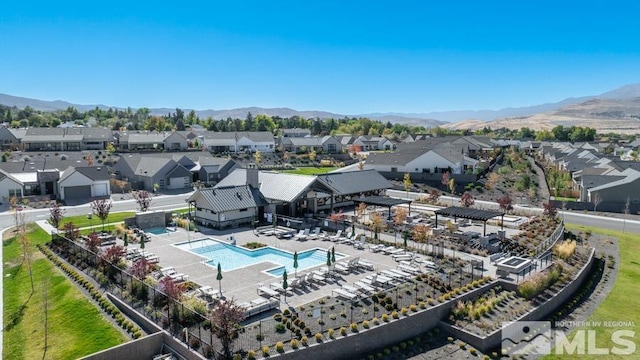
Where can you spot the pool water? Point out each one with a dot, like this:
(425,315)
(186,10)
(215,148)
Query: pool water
(157,231)
(234,257)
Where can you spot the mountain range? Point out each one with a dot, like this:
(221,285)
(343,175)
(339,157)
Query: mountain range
(620,108)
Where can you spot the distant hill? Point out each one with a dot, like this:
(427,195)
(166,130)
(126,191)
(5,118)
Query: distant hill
(603,114)
(569,110)
(240,113)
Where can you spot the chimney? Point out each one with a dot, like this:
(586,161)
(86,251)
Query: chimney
(252,176)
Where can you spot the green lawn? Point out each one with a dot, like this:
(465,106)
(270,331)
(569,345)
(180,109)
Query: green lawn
(622,303)
(311,170)
(83,221)
(567,199)
(76,328)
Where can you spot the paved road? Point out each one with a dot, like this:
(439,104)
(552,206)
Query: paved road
(617,223)
(163,202)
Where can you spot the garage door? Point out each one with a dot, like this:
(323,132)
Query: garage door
(77,192)
(99,190)
(178,183)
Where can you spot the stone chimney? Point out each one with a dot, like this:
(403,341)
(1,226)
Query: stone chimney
(252,176)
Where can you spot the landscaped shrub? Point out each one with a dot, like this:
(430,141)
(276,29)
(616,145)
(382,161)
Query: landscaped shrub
(343,331)
(304,341)
(354,327)
(265,351)
(385,317)
(537,283)
(294,344)
(280,346)
(280,328)
(565,250)
(318,337)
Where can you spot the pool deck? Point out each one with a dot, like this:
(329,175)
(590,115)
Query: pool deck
(242,284)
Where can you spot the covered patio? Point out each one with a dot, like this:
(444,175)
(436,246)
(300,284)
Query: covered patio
(468,213)
(383,201)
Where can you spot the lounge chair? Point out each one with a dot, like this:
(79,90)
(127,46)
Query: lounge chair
(376,248)
(364,287)
(396,252)
(364,264)
(351,289)
(402,257)
(347,238)
(336,237)
(398,274)
(302,235)
(344,294)
(318,276)
(315,234)
(360,244)
(268,291)
(178,277)
(343,268)
(410,269)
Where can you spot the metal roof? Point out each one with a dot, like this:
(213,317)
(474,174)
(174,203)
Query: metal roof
(228,198)
(469,213)
(382,201)
(273,185)
(354,182)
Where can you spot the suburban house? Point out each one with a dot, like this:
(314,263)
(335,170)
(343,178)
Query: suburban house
(622,187)
(175,142)
(66,139)
(295,132)
(325,144)
(142,140)
(249,141)
(82,183)
(229,206)
(9,187)
(144,172)
(211,170)
(297,195)
(8,138)
(371,143)
(416,158)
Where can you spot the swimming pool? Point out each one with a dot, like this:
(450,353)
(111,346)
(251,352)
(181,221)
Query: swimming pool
(157,231)
(235,257)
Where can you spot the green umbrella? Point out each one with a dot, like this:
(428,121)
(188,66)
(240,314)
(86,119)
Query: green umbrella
(405,240)
(328,258)
(295,262)
(142,240)
(333,254)
(219,278)
(275,221)
(285,284)
(125,238)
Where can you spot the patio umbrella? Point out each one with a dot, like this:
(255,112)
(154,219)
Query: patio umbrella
(329,259)
(405,240)
(285,284)
(333,254)
(142,240)
(219,278)
(275,221)
(295,262)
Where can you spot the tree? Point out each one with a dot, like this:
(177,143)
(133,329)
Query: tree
(550,210)
(25,244)
(626,210)
(114,254)
(141,268)
(4,157)
(492,181)
(143,199)
(378,223)
(171,288)
(110,148)
(400,216)
(444,180)
(101,208)
(56,213)
(434,196)
(466,199)
(452,185)
(286,156)
(93,241)
(406,182)
(89,160)
(360,210)
(337,217)
(421,233)
(312,155)
(597,199)
(71,232)
(505,203)
(225,321)
(257,158)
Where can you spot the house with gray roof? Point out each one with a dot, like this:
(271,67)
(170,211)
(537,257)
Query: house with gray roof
(325,144)
(143,172)
(297,195)
(212,170)
(228,206)
(142,140)
(8,139)
(294,132)
(10,187)
(239,141)
(372,143)
(83,184)
(66,139)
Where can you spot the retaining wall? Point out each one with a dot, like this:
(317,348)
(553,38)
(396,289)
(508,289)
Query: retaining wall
(494,339)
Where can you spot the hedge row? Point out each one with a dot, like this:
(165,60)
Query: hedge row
(105,304)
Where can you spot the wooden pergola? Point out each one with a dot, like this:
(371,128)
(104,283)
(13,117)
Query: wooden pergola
(468,213)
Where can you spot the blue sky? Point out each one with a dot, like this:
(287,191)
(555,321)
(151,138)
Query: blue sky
(353,58)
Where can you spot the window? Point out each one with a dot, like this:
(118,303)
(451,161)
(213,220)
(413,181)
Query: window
(394,169)
(15,192)
(245,209)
